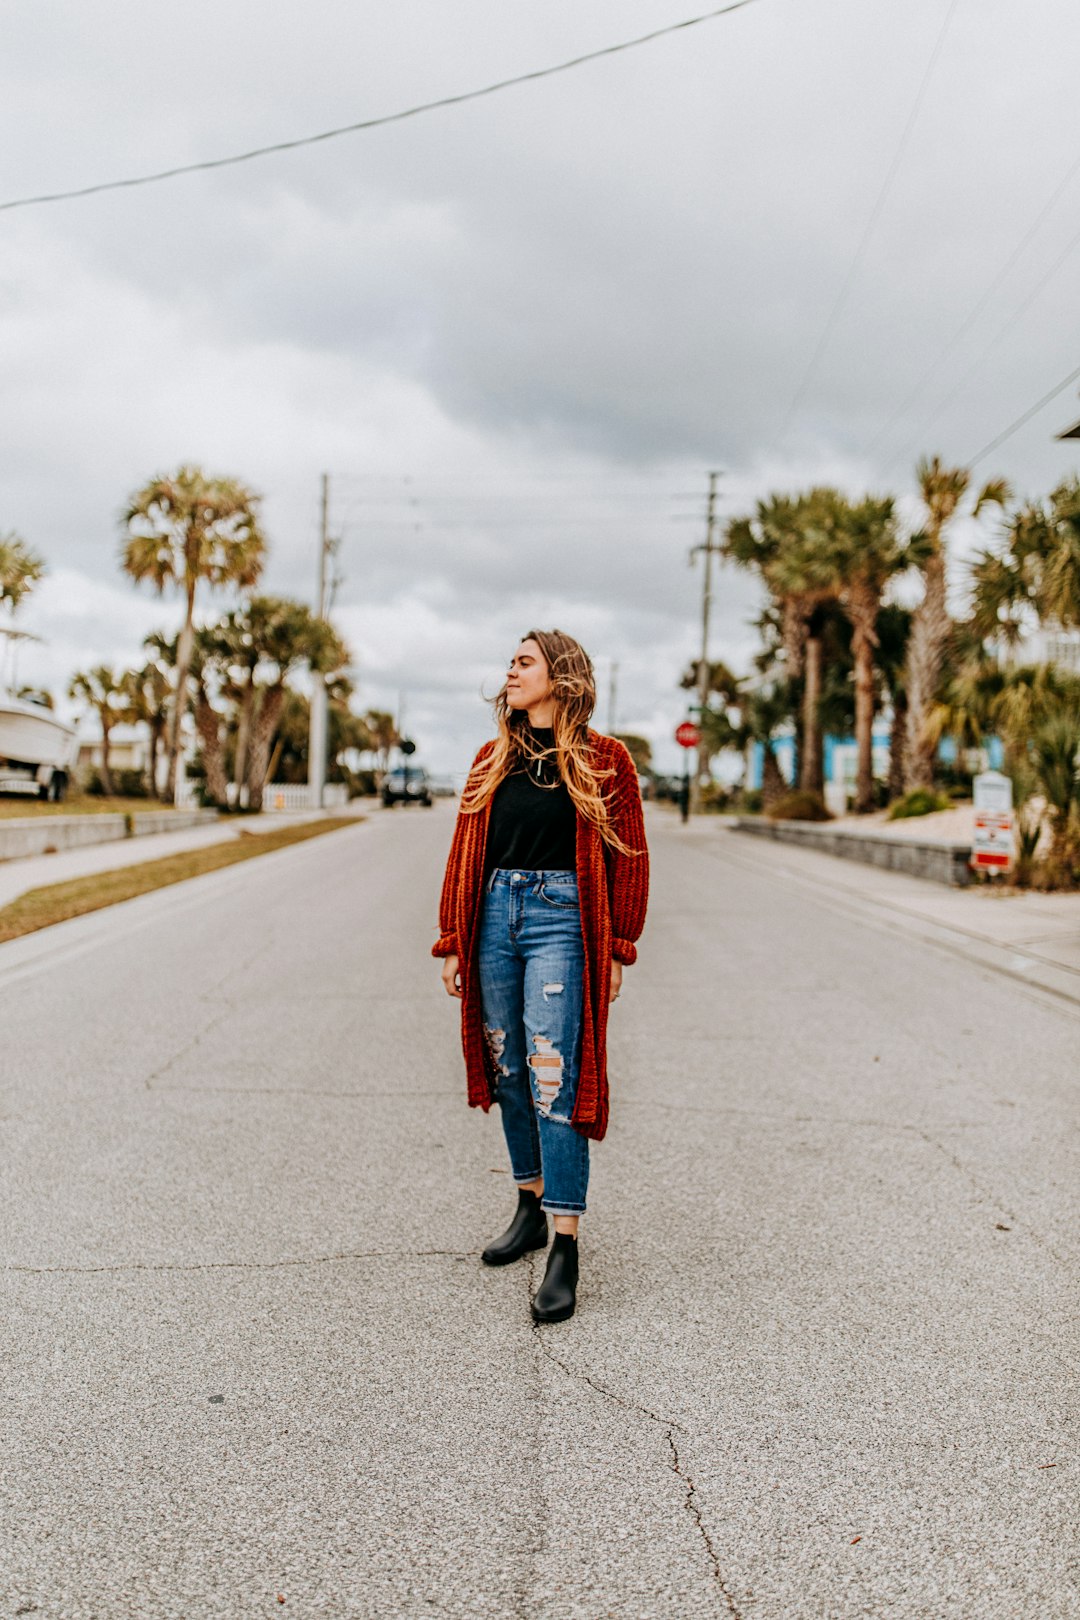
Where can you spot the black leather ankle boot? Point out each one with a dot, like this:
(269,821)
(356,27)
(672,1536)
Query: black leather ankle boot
(528,1230)
(557,1294)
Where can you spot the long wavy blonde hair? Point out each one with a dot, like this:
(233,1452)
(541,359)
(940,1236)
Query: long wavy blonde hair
(573,690)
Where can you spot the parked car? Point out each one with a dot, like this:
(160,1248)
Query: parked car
(409,786)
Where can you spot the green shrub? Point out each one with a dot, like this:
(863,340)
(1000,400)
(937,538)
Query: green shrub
(361,784)
(125,784)
(130,784)
(799,805)
(919,802)
(715,796)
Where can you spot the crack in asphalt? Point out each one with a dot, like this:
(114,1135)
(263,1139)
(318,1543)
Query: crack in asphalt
(188,1046)
(992,1197)
(540,1524)
(670,1428)
(917,1132)
(246,1265)
(694,1509)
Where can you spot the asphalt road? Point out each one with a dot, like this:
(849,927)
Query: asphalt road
(822,1361)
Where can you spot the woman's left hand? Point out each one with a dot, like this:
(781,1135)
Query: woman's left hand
(616,980)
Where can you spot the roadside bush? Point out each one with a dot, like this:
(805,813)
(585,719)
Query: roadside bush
(750,802)
(799,806)
(130,784)
(715,796)
(919,802)
(125,784)
(361,784)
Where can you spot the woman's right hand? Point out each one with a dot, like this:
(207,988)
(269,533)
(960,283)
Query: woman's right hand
(451,975)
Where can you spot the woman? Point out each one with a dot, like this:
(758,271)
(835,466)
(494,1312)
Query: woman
(543,900)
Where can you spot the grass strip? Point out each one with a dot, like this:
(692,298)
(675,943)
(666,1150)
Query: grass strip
(57,902)
(14,806)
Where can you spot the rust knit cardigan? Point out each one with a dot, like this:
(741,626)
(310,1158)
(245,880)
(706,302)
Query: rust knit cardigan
(613,891)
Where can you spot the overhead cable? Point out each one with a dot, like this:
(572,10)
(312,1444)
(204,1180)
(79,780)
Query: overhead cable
(1006,326)
(1033,410)
(372,123)
(969,321)
(868,230)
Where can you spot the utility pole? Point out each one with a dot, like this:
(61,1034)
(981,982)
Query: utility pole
(317,732)
(613,685)
(710,550)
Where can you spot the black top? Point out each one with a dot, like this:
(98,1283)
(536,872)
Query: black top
(533,826)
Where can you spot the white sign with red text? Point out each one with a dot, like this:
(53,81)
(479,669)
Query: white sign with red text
(993,848)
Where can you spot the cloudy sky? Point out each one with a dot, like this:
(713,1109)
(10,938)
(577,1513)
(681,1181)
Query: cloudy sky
(518,333)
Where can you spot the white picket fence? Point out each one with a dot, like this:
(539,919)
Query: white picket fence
(279,796)
(297,796)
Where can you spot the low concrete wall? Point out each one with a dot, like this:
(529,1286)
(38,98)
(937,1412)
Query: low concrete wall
(935,860)
(43,835)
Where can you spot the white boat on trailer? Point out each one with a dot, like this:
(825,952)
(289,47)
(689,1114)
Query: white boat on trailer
(37,748)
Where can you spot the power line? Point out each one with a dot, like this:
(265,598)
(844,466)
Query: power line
(1026,417)
(868,230)
(969,321)
(373,123)
(1006,326)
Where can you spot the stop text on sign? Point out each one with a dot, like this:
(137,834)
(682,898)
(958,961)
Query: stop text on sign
(687,735)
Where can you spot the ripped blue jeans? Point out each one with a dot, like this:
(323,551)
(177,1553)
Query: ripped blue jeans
(531,964)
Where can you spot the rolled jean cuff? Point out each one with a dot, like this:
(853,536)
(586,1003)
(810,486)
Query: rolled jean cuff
(523,1181)
(561,1209)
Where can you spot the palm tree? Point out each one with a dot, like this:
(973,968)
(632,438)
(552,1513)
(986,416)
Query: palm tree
(943,490)
(284,635)
(868,551)
(805,575)
(718,729)
(148,691)
(102,690)
(892,629)
(20,570)
(384,736)
(36,694)
(182,531)
(1035,574)
(763,710)
(792,564)
(206,670)
(1037,712)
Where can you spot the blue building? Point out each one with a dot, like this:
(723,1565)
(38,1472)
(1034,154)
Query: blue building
(841,761)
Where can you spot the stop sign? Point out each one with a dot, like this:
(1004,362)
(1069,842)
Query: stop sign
(687,735)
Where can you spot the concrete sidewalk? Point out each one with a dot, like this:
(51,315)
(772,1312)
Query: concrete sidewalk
(34,872)
(1033,937)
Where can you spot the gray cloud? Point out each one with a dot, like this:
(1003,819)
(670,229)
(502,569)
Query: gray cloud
(600,284)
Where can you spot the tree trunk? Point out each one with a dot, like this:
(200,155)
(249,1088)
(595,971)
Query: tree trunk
(863,649)
(263,726)
(184,648)
(243,733)
(208,726)
(811,753)
(897,738)
(930,628)
(157,736)
(106,775)
(773,786)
